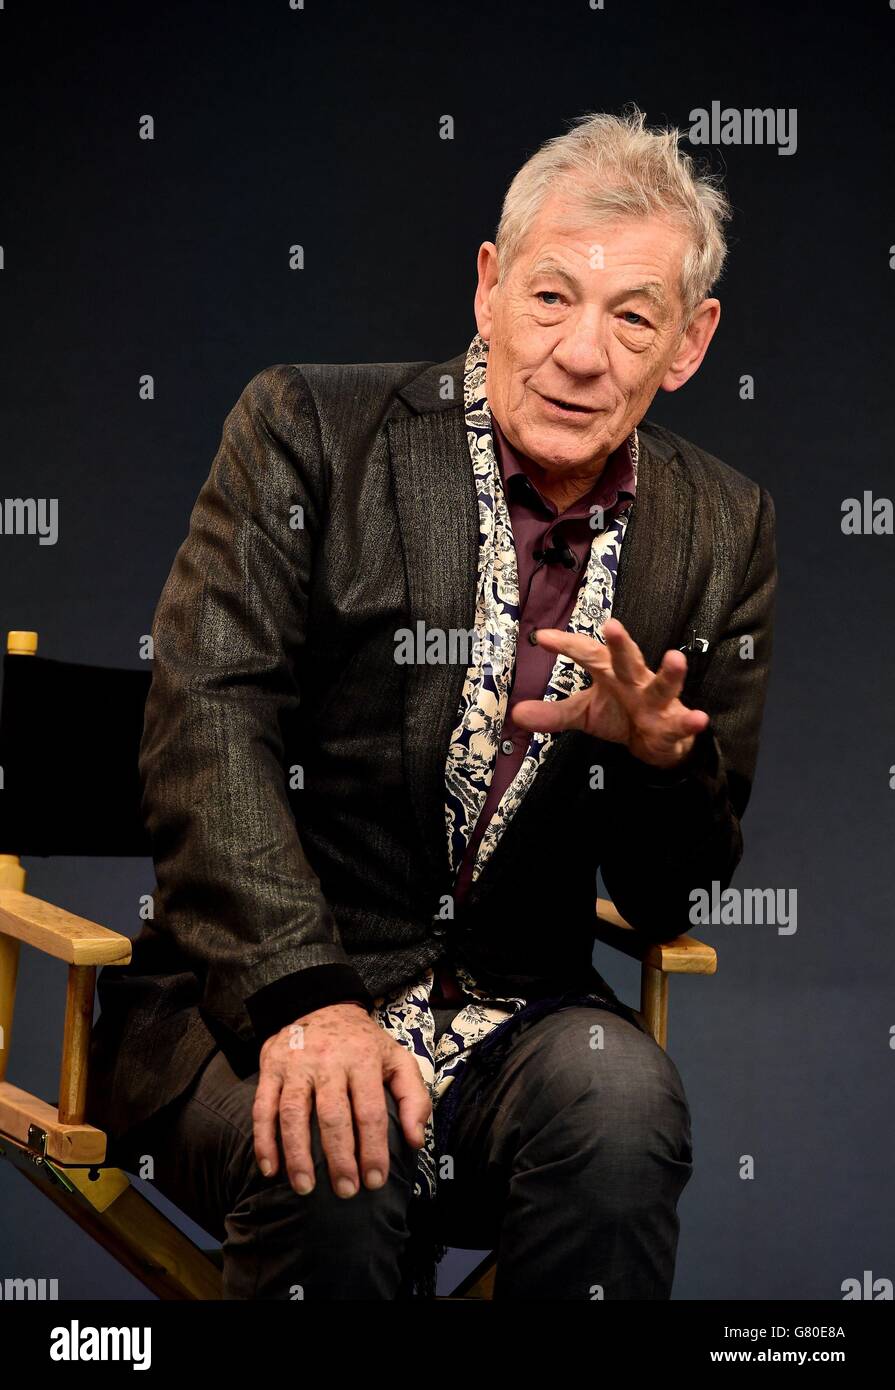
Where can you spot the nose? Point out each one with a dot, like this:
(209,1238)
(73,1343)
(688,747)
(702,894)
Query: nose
(582,349)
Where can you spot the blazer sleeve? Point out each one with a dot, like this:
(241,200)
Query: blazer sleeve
(674,831)
(234,886)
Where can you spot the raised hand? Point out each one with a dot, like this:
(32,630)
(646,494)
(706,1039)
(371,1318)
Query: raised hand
(627,702)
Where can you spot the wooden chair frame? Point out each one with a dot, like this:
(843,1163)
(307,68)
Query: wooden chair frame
(57,1150)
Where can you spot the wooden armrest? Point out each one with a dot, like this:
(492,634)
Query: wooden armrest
(21,1113)
(83,946)
(59,933)
(682,956)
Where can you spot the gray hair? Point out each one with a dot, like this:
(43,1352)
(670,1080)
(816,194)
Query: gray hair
(616,166)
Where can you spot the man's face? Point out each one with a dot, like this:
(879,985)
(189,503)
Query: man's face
(587,318)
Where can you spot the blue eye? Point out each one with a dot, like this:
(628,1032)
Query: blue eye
(553,294)
(631,313)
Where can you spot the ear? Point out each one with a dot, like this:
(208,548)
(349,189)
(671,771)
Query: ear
(487,268)
(693,345)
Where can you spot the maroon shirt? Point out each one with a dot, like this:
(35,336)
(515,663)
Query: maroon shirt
(547,594)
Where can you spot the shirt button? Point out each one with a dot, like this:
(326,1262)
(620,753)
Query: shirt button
(506,746)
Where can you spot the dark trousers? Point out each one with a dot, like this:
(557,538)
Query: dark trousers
(570,1162)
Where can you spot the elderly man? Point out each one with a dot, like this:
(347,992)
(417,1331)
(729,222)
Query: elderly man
(442,640)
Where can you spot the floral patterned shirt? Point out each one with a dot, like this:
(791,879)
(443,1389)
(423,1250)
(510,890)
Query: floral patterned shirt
(483,1021)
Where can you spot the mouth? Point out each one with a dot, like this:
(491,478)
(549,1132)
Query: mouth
(567,409)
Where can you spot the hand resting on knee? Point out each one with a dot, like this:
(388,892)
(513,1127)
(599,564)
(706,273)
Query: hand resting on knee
(337,1059)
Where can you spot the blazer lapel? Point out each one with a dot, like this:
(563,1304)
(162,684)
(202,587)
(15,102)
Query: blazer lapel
(656,555)
(438,519)
(439,528)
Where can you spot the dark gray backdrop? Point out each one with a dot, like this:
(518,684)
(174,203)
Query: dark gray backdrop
(320,126)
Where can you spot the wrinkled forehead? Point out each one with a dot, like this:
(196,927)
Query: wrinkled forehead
(602,236)
(575,218)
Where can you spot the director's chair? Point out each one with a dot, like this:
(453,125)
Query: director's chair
(69,784)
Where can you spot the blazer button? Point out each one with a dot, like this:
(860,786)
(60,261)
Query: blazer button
(507,746)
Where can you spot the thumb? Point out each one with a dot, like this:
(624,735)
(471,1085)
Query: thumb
(402,1076)
(552,716)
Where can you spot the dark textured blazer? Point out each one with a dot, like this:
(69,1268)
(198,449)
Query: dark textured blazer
(275,651)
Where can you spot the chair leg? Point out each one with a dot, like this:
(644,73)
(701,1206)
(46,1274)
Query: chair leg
(124,1222)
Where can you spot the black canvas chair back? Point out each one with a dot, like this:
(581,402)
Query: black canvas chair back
(69,745)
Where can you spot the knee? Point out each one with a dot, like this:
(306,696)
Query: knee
(401,1168)
(609,1079)
(325,1246)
